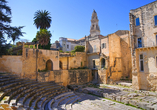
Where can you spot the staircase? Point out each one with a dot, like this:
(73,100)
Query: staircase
(24,94)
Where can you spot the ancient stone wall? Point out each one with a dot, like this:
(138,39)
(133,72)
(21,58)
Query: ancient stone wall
(126,56)
(147,32)
(37,60)
(70,62)
(115,57)
(105,50)
(91,58)
(102,76)
(67,77)
(11,64)
(147,78)
(94,45)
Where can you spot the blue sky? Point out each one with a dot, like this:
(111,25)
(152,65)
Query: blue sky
(71,18)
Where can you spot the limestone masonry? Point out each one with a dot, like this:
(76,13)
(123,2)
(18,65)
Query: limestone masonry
(123,55)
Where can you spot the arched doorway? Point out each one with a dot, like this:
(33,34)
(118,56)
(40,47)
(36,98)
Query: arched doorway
(60,65)
(49,65)
(102,63)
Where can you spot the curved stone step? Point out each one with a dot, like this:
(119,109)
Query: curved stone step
(9,84)
(14,94)
(29,88)
(56,101)
(43,96)
(70,103)
(50,97)
(7,75)
(65,101)
(38,95)
(29,102)
(27,92)
(12,88)
(30,94)
(6,79)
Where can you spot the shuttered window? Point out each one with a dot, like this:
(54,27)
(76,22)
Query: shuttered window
(155,20)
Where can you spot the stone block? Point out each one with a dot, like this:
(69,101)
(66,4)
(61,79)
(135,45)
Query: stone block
(119,98)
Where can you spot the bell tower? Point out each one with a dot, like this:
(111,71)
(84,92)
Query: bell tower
(94,29)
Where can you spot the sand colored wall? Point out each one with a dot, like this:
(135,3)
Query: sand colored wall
(80,60)
(115,57)
(126,56)
(67,76)
(11,64)
(102,76)
(92,57)
(146,79)
(29,61)
(94,42)
(105,50)
(147,31)
(69,62)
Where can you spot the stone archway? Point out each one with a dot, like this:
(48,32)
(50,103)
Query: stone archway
(103,62)
(49,65)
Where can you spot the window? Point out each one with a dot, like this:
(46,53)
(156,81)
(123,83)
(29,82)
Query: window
(103,45)
(141,63)
(156,60)
(139,42)
(93,63)
(102,63)
(155,20)
(156,39)
(137,21)
(64,45)
(67,46)
(94,48)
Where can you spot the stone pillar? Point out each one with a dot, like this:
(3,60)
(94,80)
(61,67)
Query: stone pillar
(37,46)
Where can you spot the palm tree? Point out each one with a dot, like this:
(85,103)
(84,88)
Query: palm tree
(43,36)
(42,19)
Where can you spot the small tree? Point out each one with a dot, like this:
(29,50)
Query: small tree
(43,36)
(78,48)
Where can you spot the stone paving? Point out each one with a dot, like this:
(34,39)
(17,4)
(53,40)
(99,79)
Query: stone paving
(90,102)
(126,95)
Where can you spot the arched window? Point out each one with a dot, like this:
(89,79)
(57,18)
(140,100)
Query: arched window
(102,63)
(60,64)
(49,65)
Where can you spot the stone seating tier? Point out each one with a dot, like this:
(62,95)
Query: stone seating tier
(29,94)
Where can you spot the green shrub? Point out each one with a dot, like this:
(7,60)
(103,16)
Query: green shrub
(61,51)
(31,46)
(78,48)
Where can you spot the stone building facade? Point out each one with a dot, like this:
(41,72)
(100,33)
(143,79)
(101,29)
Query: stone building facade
(108,56)
(67,44)
(143,40)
